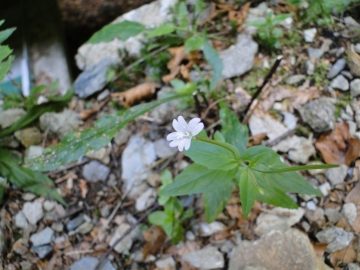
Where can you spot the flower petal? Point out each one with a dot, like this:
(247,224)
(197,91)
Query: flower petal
(178,127)
(183,123)
(193,122)
(187,144)
(174,143)
(173,136)
(196,130)
(181,145)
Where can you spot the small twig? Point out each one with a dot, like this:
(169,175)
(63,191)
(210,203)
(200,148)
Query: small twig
(144,216)
(280,138)
(197,104)
(266,80)
(77,210)
(78,252)
(212,105)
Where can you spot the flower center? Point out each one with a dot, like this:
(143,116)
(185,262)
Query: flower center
(186,135)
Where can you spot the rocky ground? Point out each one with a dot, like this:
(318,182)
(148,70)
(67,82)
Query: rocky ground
(309,113)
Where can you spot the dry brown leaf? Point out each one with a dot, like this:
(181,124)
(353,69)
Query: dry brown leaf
(85,114)
(233,210)
(353,62)
(239,16)
(83,187)
(344,256)
(354,197)
(256,139)
(155,239)
(320,249)
(136,94)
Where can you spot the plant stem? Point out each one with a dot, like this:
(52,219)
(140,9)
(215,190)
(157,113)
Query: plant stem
(218,144)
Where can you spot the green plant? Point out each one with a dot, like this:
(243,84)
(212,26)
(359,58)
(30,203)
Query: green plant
(267,31)
(173,216)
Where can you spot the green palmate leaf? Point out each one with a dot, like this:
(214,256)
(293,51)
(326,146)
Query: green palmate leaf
(197,179)
(77,144)
(212,156)
(248,191)
(218,136)
(5,67)
(4,34)
(305,167)
(193,43)
(166,179)
(276,197)
(280,18)
(5,51)
(35,112)
(212,56)
(162,30)
(216,200)
(122,31)
(262,160)
(234,132)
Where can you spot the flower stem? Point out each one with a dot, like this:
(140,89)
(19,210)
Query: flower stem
(223,145)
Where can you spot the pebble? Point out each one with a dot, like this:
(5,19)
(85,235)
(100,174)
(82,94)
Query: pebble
(353,266)
(325,188)
(28,136)
(42,251)
(20,220)
(89,263)
(85,228)
(95,171)
(227,247)
(57,226)
(347,74)
(206,258)
(49,205)
(295,79)
(146,200)
(336,68)
(333,214)
(104,94)
(336,175)
(340,83)
(122,136)
(28,196)
(126,243)
(10,116)
(315,53)
(33,211)
(43,237)
(355,87)
(350,212)
(325,46)
(75,222)
(311,205)
(105,211)
(103,155)
(166,263)
(340,51)
(357,48)
(309,34)
(33,151)
(310,68)
(336,238)
(163,149)
(204,229)
(190,236)
(25,265)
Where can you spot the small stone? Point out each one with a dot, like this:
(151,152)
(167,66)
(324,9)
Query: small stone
(357,48)
(227,247)
(146,199)
(336,175)
(315,53)
(163,149)
(122,136)
(347,74)
(310,68)
(306,226)
(166,263)
(295,79)
(153,180)
(336,238)
(350,212)
(28,196)
(75,222)
(49,205)
(28,136)
(311,205)
(105,211)
(340,51)
(325,188)
(33,151)
(309,34)
(57,226)
(89,263)
(33,211)
(333,214)
(20,220)
(103,155)
(42,251)
(206,258)
(190,236)
(95,171)
(43,237)
(104,94)
(26,265)
(126,243)
(85,228)
(355,87)
(353,266)
(340,83)
(10,116)
(336,68)
(206,229)
(325,46)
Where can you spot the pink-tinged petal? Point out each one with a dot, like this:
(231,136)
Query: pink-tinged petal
(174,143)
(183,123)
(181,145)
(187,144)
(196,130)
(178,127)
(173,136)
(193,122)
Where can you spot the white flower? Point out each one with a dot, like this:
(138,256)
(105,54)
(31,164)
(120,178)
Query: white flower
(184,132)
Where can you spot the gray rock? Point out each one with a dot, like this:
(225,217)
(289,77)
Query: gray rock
(60,124)
(122,136)
(85,228)
(325,46)
(311,205)
(309,34)
(167,110)
(336,238)
(43,237)
(20,220)
(295,79)
(42,251)
(89,263)
(336,68)
(136,157)
(319,114)
(206,229)
(347,74)
(92,79)
(49,205)
(28,136)
(33,211)
(57,226)
(336,175)
(75,222)
(103,155)
(315,53)
(355,87)
(28,196)
(206,258)
(105,211)
(239,58)
(333,214)
(26,265)
(163,149)
(278,219)
(357,48)
(126,243)
(104,94)
(146,200)
(9,117)
(350,212)
(310,68)
(33,151)
(276,250)
(324,188)
(339,82)
(166,263)
(95,171)
(353,266)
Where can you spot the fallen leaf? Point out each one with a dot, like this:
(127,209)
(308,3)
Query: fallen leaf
(337,147)
(85,114)
(344,256)
(354,197)
(83,187)
(240,15)
(320,249)
(155,238)
(136,94)
(256,139)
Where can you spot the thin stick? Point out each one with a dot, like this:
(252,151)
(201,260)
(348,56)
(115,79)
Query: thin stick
(98,266)
(280,138)
(266,80)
